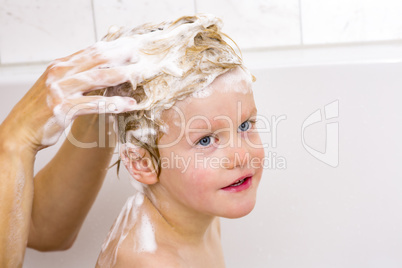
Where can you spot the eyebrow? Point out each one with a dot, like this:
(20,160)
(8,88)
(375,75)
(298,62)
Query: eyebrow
(250,113)
(216,123)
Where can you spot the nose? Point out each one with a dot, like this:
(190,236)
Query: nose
(236,154)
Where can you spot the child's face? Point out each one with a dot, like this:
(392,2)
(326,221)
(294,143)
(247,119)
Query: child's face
(212,143)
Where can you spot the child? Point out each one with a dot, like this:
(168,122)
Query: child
(191,147)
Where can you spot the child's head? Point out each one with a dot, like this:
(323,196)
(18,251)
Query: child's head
(195,118)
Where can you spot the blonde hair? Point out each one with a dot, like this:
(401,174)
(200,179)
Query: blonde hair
(204,56)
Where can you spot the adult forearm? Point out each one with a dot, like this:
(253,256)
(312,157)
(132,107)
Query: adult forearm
(16,191)
(67,187)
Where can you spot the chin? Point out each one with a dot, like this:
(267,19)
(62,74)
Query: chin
(239,211)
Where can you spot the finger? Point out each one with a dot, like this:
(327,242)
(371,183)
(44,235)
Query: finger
(93,80)
(100,55)
(100,104)
(80,61)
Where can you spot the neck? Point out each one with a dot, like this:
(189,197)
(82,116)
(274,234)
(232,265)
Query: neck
(184,225)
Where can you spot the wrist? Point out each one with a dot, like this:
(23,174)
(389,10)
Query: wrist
(23,126)
(13,139)
(93,129)
(12,145)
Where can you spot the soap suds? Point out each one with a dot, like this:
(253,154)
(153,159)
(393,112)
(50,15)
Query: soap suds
(138,186)
(141,134)
(157,65)
(232,80)
(121,228)
(136,56)
(146,236)
(144,239)
(168,60)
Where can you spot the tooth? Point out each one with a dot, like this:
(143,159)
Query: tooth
(238,182)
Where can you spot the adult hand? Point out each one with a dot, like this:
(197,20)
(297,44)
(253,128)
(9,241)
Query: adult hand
(37,121)
(60,95)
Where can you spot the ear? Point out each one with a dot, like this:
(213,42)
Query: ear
(138,163)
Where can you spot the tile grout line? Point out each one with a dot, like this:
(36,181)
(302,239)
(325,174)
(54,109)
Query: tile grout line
(195,6)
(301,23)
(94,20)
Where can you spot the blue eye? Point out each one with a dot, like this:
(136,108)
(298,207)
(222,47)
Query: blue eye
(205,141)
(244,126)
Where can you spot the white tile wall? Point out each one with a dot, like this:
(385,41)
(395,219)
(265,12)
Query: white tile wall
(257,23)
(42,30)
(133,13)
(350,21)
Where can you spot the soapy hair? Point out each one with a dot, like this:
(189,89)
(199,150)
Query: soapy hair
(202,55)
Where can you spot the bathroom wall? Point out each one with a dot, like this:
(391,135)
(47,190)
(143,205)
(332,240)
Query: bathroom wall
(39,31)
(328,71)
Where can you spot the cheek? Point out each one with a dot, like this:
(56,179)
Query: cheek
(201,180)
(257,151)
(254,139)
(255,144)
(200,177)
(192,188)
(260,153)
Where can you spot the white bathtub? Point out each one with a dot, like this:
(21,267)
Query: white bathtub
(310,212)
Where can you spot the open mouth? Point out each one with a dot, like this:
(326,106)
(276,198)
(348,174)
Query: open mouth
(239,182)
(239,185)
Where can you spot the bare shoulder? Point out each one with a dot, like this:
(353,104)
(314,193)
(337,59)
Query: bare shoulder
(162,257)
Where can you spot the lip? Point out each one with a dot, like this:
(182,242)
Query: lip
(245,185)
